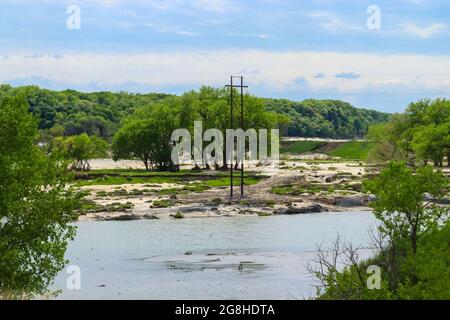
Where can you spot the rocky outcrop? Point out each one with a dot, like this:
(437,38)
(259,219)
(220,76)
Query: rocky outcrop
(349,202)
(313,208)
(126,217)
(331,178)
(197,209)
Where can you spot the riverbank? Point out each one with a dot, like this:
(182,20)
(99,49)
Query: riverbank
(119,191)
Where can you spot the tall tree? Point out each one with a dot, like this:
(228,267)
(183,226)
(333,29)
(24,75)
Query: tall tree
(36,208)
(80,149)
(401,206)
(146,136)
(422,133)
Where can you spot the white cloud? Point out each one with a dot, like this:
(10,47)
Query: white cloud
(103,3)
(212,5)
(415,2)
(219,6)
(391,74)
(425,32)
(330,21)
(207,5)
(171,29)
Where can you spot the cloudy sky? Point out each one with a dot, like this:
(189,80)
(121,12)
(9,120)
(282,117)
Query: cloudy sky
(292,49)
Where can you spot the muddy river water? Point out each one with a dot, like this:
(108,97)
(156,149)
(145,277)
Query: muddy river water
(204,258)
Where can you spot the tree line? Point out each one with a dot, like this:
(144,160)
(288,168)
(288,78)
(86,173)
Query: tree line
(146,134)
(326,118)
(417,136)
(70,112)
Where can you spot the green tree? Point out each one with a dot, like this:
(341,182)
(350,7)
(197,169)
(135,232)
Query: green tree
(388,140)
(400,204)
(432,142)
(36,208)
(80,149)
(422,133)
(146,136)
(423,275)
(426,274)
(412,247)
(212,107)
(325,118)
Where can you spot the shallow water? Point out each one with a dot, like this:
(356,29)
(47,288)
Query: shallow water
(206,258)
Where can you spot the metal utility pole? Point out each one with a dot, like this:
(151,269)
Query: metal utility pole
(242,127)
(232,86)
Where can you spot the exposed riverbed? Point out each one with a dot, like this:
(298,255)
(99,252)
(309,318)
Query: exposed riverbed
(243,257)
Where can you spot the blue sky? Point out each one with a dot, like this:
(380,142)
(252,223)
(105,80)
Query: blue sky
(288,49)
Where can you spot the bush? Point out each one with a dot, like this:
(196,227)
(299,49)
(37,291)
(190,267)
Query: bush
(162,203)
(424,275)
(178,215)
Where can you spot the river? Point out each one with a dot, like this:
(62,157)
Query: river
(246,257)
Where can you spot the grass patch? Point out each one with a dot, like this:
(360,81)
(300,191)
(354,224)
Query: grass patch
(118,193)
(143,173)
(136,192)
(298,190)
(264,214)
(178,215)
(288,190)
(297,147)
(353,150)
(196,187)
(86,206)
(244,202)
(116,207)
(162,204)
(270,203)
(282,190)
(89,206)
(170,191)
(119,177)
(225,181)
(118,180)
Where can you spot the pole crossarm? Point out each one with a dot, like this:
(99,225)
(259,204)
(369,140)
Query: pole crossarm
(235,86)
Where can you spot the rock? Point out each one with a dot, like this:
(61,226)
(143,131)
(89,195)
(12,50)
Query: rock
(150,217)
(330,178)
(355,186)
(122,217)
(314,208)
(173,197)
(350,202)
(196,209)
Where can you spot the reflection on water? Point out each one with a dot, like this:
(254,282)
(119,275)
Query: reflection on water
(215,258)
